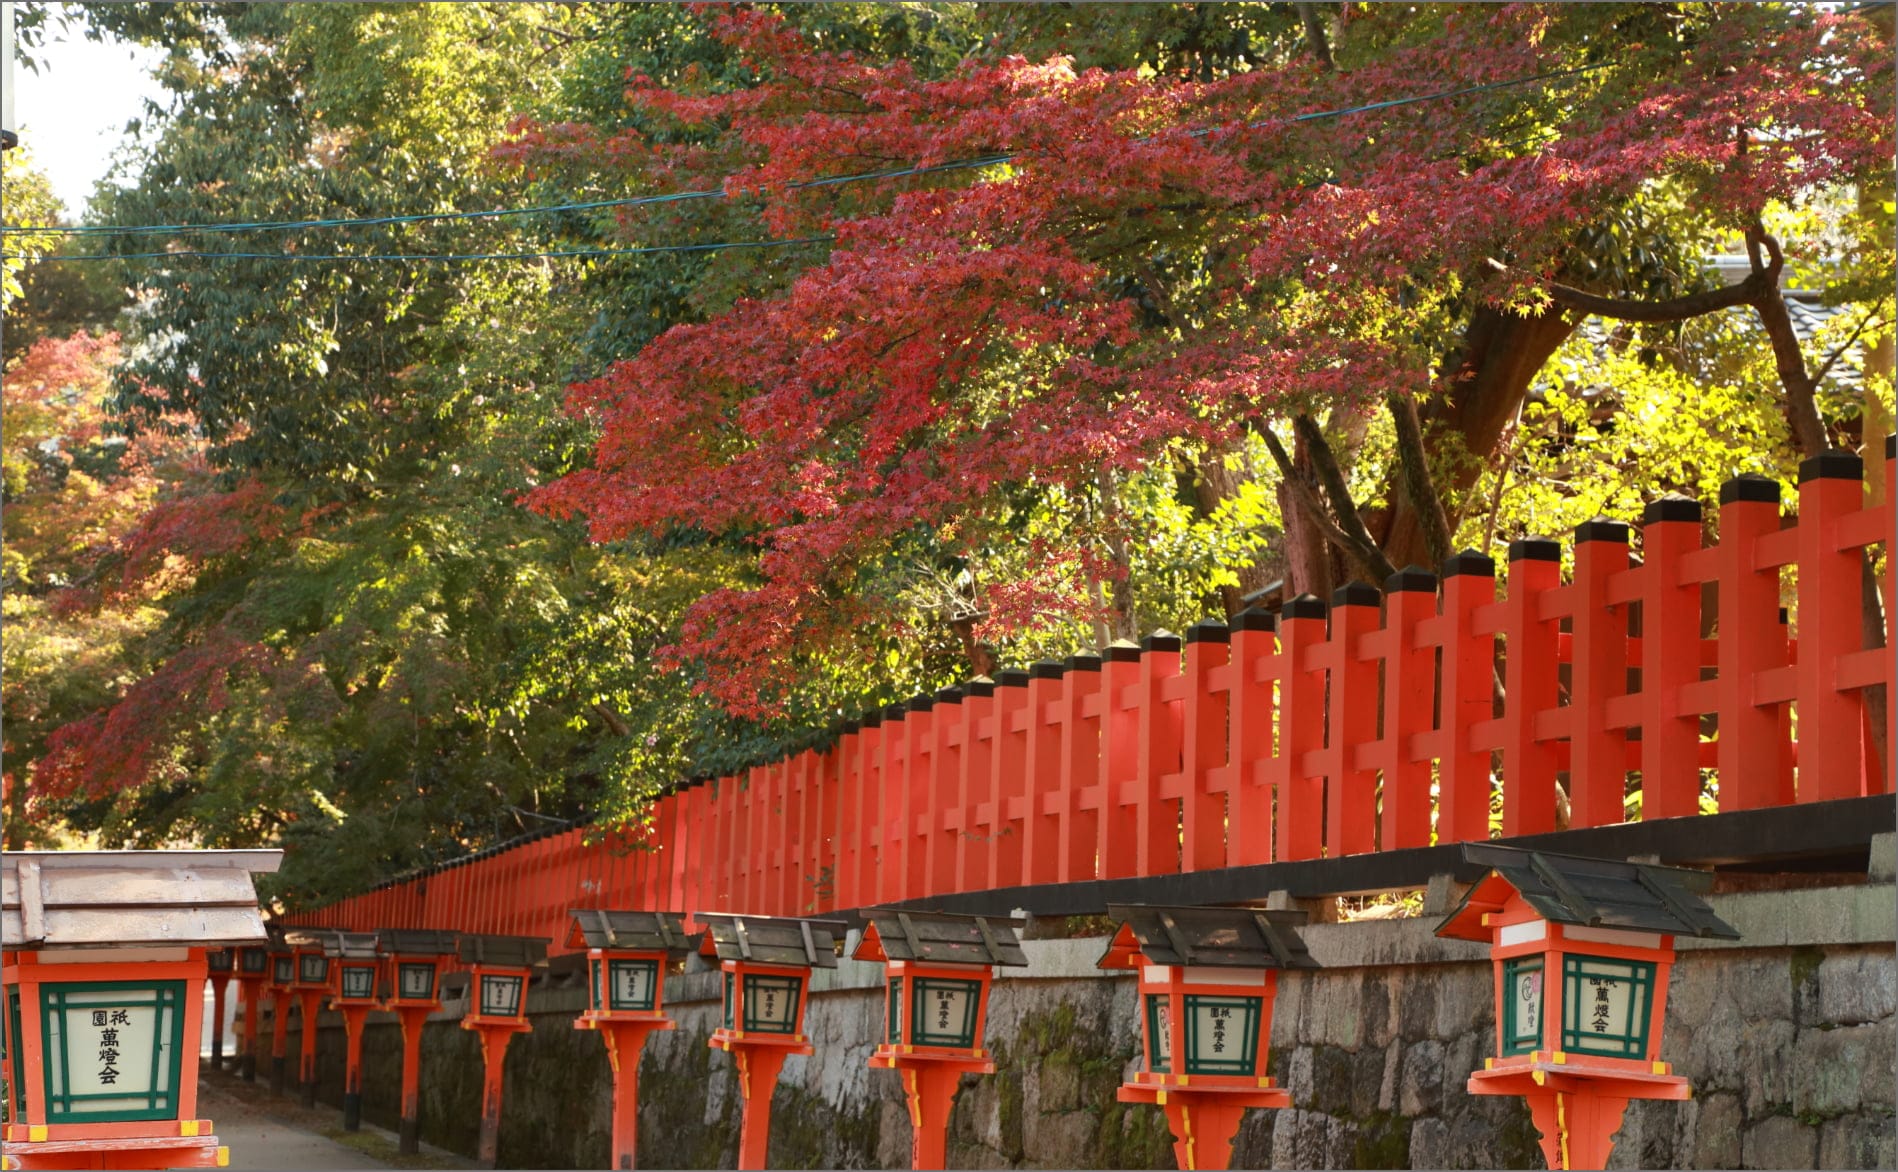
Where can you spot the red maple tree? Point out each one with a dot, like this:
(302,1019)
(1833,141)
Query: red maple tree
(1158,260)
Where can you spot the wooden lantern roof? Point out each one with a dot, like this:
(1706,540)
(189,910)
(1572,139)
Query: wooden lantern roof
(632,931)
(940,938)
(121,899)
(416,942)
(1223,937)
(1595,893)
(780,940)
(503,952)
(341,945)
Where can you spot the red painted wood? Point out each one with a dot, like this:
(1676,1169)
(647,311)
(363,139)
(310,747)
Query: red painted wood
(1077,832)
(1466,699)
(1670,663)
(1298,790)
(1010,770)
(1156,822)
(1830,762)
(1203,748)
(974,790)
(1351,723)
(1040,827)
(1529,685)
(1409,695)
(1120,763)
(1598,759)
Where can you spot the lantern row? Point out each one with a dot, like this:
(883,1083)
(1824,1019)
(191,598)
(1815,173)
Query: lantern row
(1581,948)
(1372,723)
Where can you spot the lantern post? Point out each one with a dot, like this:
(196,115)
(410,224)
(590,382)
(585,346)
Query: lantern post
(1582,949)
(499,970)
(355,971)
(103,965)
(1208,979)
(629,954)
(415,958)
(252,969)
(218,962)
(938,968)
(311,986)
(767,963)
(282,979)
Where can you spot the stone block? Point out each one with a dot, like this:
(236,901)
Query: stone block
(1779,1141)
(1869,1140)
(1416,997)
(1429,1143)
(1367,1079)
(1056,1141)
(1334,1012)
(1466,1000)
(1334,1073)
(1420,1085)
(1716,1137)
(1857,986)
(1060,1085)
(1836,1071)
(1766,1076)
(1387,1081)
(1298,1077)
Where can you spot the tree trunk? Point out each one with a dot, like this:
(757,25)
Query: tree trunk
(1487,379)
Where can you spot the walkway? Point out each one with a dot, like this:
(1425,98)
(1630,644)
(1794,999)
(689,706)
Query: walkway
(268,1133)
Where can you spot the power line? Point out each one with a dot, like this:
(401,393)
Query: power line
(708,193)
(433,256)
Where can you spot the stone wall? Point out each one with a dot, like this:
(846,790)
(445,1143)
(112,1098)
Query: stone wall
(1788,1038)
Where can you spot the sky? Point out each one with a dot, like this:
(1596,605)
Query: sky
(72,113)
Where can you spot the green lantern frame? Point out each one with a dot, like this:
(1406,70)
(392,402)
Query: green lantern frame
(165,999)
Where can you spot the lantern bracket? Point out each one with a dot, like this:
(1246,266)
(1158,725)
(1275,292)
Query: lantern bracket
(744,938)
(909,933)
(1177,938)
(1281,951)
(1565,891)
(1675,904)
(810,946)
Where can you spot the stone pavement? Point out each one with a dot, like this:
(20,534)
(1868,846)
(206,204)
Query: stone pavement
(269,1133)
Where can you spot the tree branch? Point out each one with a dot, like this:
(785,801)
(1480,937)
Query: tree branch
(1673,309)
(1315,35)
(1363,546)
(1802,402)
(1362,549)
(1414,471)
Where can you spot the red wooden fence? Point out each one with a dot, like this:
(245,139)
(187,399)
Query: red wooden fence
(1328,730)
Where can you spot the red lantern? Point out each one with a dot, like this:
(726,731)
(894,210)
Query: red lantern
(413,959)
(499,968)
(355,971)
(628,957)
(939,968)
(1208,979)
(767,963)
(1582,949)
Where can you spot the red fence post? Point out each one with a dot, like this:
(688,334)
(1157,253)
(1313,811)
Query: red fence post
(1012,717)
(1670,660)
(976,786)
(1410,601)
(871,811)
(850,810)
(919,754)
(1351,720)
(1120,756)
(944,811)
(1830,763)
(1598,673)
(1529,687)
(1299,790)
(1156,825)
(1467,699)
(1204,745)
(1253,644)
(1040,831)
(1080,769)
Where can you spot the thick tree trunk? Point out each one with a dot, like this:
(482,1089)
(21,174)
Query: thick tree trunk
(1486,380)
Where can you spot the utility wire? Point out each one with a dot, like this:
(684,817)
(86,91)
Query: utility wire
(681,196)
(430,256)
